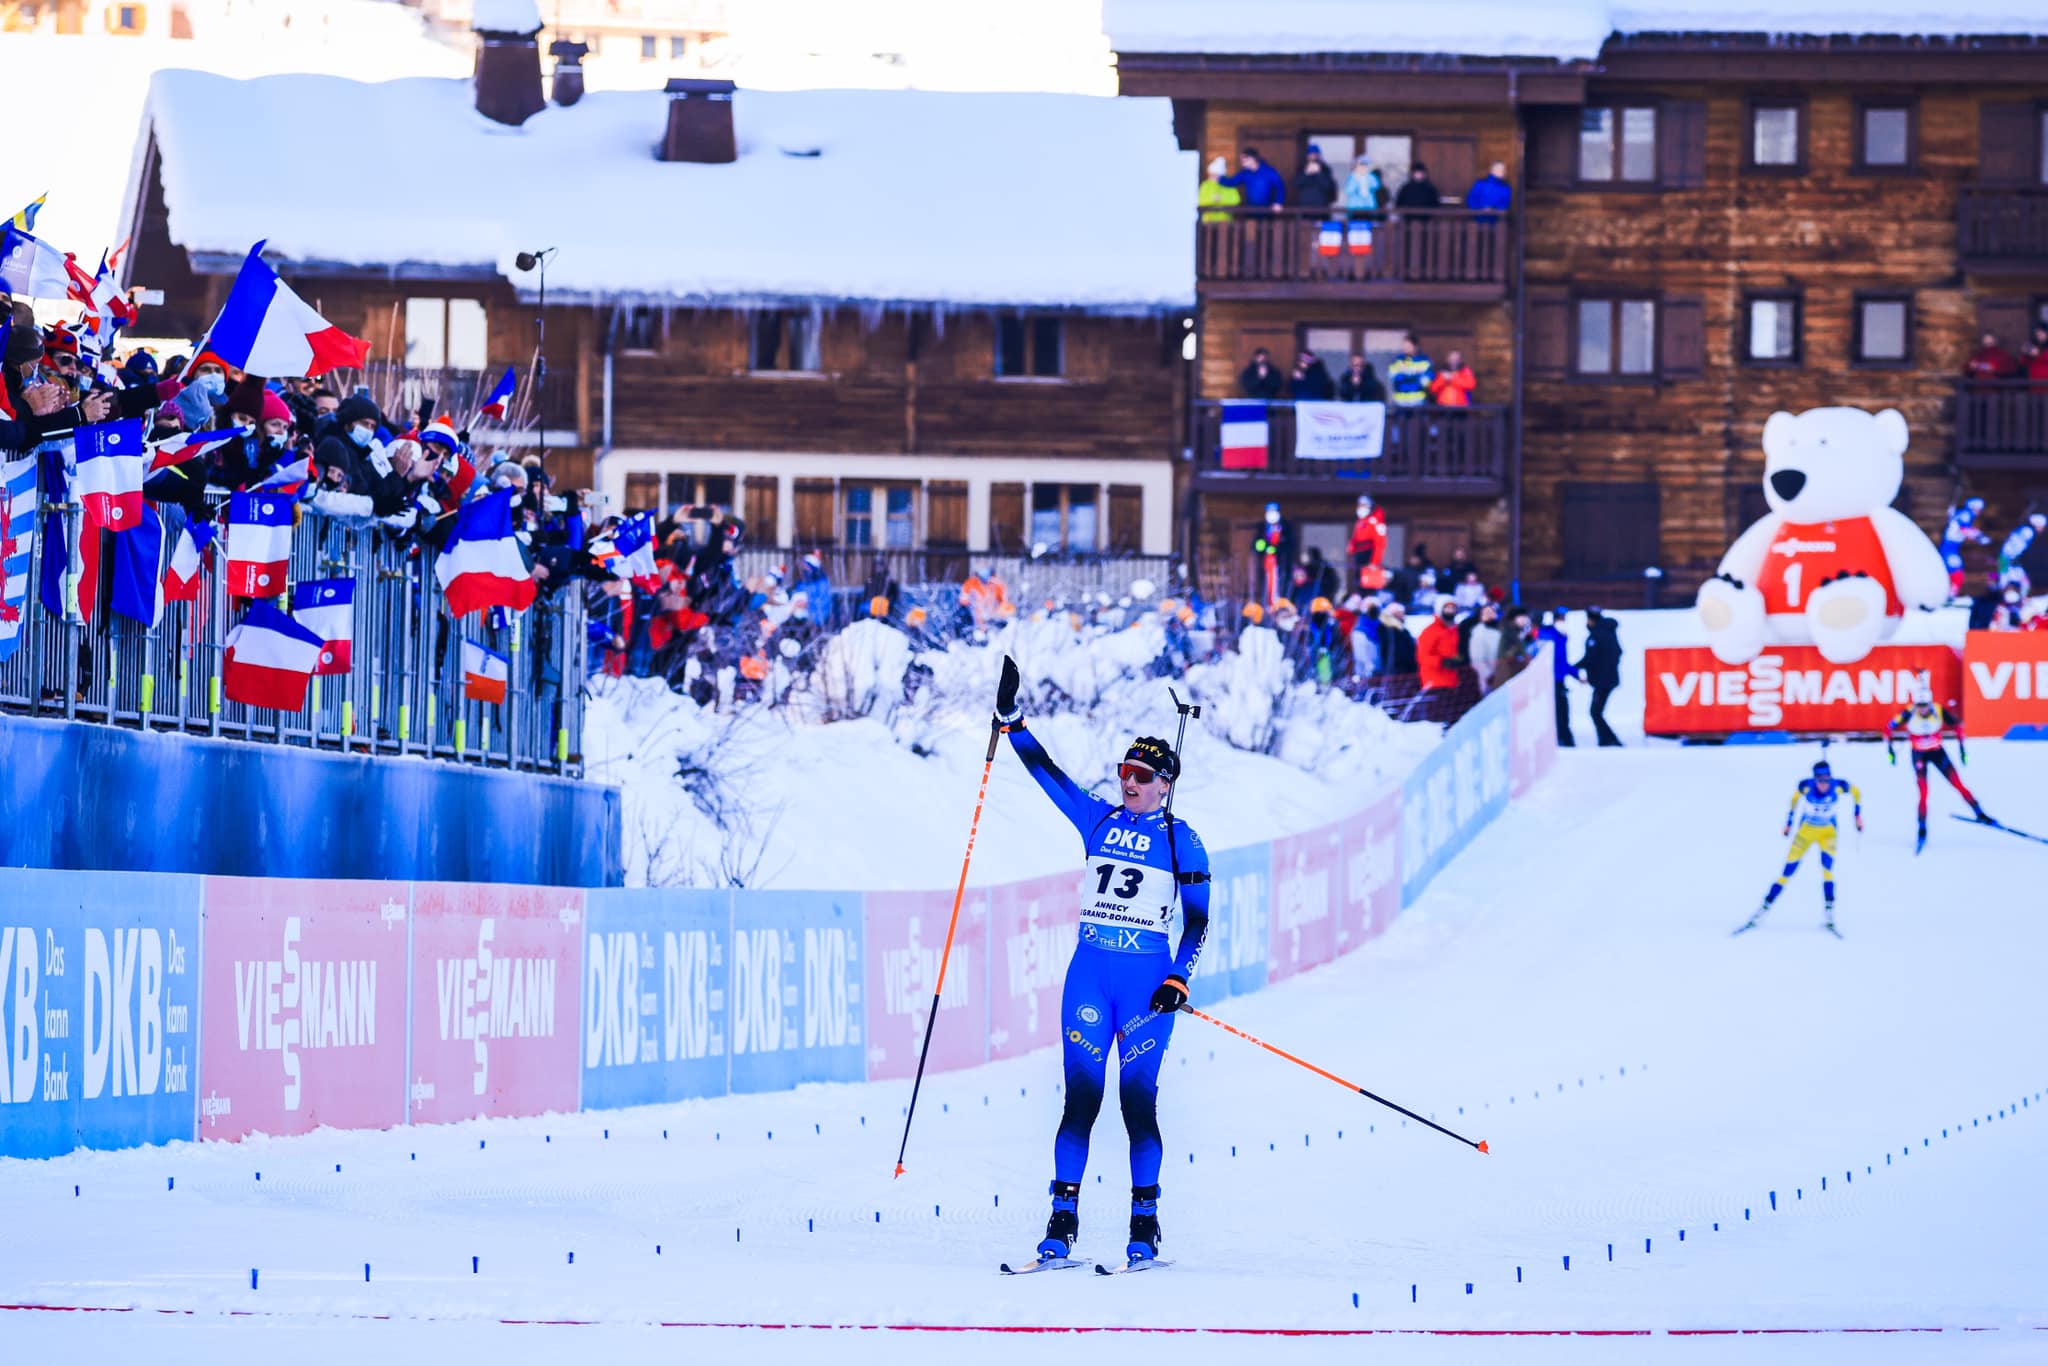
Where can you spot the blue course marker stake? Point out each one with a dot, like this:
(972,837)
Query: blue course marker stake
(1681,1235)
(472,1266)
(810,1225)
(572,1259)
(337,1166)
(74,1192)
(1468,1287)
(735,1235)
(1823,1183)
(1646,1247)
(1304,1140)
(1191,1159)
(863,1121)
(1745,1214)
(1518,1275)
(1610,1252)
(479,1144)
(1774,1199)
(999,1200)
(878,1216)
(664,1133)
(1233,1150)
(547,1138)
(1567,1261)
(935,1211)
(252,1278)
(1717,1228)
(1411,1294)
(608,1134)
(412,1157)
(657,1249)
(366,1273)
(1799,1192)
(817,1128)
(171,1182)
(1887,1159)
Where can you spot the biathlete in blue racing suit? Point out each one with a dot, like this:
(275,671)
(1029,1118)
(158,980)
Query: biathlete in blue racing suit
(1126,980)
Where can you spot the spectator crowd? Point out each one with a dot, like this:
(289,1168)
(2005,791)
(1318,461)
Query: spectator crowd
(1413,379)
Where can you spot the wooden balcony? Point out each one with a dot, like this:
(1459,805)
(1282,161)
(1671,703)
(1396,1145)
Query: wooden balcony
(1449,254)
(2002,229)
(2002,425)
(1428,451)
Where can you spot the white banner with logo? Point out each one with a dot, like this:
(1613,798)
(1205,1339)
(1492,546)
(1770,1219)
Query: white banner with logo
(1339,431)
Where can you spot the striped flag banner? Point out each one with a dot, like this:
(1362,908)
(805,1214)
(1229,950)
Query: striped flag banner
(1330,238)
(1245,435)
(17,540)
(484,673)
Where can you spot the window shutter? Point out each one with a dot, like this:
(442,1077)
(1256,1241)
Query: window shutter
(946,524)
(1683,345)
(2005,142)
(1547,338)
(1553,148)
(2007,319)
(1126,519)
(1682,144)
(764,496)
(1006,518)
(816,520)
(1453,161)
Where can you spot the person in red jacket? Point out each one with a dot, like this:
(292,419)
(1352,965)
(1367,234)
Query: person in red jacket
(1367,544)
(1453,385)
(1437,660)
(1990,361)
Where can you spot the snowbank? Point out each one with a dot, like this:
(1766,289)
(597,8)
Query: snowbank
(776,797)
(890,196)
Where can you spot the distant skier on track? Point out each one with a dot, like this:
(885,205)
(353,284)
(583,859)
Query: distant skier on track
(1124,985)
(1814,812)
(1924,724)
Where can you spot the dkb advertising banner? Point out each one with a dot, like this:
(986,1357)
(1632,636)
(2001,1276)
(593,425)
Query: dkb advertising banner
(1458,789)
(1370,886)
(794,1007)
(99,1010)
(1032,928)
(655,964)
(1306,872)
(1233,959)
(495,1000)
(305,1006)
(906,934)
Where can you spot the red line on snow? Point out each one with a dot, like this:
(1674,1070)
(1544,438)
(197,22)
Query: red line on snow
(1035,1328)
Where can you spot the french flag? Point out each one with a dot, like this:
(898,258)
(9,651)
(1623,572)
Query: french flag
(176,450)
(1330,238)
(270,660)
(635,544)
(481,565)
(326,607)
(188,561)
(287,480)
(112,460)
(1245,435)
(31,268)
(484,673)
(266,329)
(500,398)
(17,540)
(1359,238)
(259,544)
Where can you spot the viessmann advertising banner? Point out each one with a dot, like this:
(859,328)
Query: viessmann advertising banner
(1789,688)
(2005,680)
(144,1007)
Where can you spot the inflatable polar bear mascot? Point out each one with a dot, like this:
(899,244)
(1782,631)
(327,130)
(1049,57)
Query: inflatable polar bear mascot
(1834,565)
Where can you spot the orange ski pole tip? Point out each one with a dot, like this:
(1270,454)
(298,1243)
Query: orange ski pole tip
(899,1168)
(1481,1145)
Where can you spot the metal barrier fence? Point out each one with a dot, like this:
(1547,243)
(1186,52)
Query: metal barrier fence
(403,694)
(931,578)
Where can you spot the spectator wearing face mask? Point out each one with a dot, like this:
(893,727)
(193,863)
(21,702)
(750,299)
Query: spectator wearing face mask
(1315,185)
(343,458)
(204,395)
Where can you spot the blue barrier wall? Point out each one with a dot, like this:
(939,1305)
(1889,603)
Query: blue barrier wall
(683,994)
(98,797)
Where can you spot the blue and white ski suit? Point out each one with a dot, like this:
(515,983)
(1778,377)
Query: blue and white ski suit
(1135,867)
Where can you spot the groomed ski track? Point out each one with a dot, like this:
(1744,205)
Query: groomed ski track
(1567,990)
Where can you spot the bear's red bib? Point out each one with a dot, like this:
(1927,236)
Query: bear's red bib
(1805,555)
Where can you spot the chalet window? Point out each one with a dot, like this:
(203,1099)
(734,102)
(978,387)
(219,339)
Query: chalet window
(1777,135)
(129,20)
(1770,331)
(1618,143)
(1881,333)
(879,516)
(1609,531)
(643,492)
(646,47)
(1029,347)
(640,329)
(1885,135)
(1063,517)
(700,490)
(677,46)
(785,341)
(445,334)
(1617,337)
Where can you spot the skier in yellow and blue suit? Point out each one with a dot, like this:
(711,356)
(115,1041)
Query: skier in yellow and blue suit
(1815,813)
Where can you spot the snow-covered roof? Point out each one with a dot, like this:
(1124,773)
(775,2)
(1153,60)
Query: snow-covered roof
(1568,30)
(505,16)
(872,196)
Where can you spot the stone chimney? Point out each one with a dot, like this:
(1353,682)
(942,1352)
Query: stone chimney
(699,121)
(508,87)
(568,70)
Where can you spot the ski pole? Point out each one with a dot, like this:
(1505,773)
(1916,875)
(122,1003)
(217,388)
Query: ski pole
(1347,1085)
(1180,734)
(959,893)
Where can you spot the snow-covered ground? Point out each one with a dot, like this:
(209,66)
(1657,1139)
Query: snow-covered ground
(882,802)
(1567,990)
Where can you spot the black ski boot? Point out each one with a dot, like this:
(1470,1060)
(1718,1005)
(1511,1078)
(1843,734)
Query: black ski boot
(1144,1224)
(1065,1225)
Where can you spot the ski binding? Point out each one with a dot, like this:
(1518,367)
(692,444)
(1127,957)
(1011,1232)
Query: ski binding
(1139,1265)
(1048,1264)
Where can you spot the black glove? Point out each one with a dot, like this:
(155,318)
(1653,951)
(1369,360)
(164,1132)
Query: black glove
(1171,996)
(1008,713)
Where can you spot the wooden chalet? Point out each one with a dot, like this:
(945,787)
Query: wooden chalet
(1707,227)
(808,307)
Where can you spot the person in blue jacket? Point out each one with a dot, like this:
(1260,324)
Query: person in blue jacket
(1261,186)
(1126,981)
(1560,669)
(1491,192)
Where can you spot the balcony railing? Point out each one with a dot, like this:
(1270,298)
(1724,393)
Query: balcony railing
(2002,424)
(2002,228)
(1456,249)
(1448,450)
